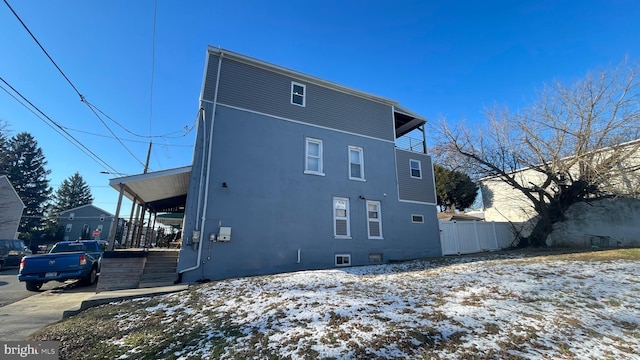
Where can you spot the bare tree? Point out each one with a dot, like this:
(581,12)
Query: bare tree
(575,143)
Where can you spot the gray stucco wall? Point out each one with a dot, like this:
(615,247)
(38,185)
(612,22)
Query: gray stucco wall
(274,209)
(256,89)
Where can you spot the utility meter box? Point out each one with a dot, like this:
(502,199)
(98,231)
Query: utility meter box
(225,234)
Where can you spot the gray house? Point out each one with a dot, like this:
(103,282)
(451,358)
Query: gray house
(11,207)
(291,172)
(85,222)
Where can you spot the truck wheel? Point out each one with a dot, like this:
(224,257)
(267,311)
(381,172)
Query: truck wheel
(33,285)
(1,265)
(93,277)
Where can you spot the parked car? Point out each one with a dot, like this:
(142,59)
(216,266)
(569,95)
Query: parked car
(11,252)
(66,260)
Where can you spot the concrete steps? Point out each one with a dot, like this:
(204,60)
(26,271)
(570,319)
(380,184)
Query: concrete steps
(160,268)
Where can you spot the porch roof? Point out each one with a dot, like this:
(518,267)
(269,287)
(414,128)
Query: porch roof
(159,191)
(406,120)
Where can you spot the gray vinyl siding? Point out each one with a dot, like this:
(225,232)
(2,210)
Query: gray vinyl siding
(257,89)
(209,89)
(85,215)
(412,189)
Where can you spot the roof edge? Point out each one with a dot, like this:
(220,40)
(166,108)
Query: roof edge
(289,72)
(172,171)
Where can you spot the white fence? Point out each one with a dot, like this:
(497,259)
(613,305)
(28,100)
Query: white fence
(467,237)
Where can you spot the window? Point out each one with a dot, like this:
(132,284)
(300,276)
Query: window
(375,258)
(343,260)
(417,219)
(356,163)
(416,169)
(68,228)
(313,157)
(341,226)
(374,220)
(298,94)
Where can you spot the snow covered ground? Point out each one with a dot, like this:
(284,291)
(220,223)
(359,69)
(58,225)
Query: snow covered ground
(472,308)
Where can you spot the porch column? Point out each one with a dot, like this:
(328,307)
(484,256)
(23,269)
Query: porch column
(114,225)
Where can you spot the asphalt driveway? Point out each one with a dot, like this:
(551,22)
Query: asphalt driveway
(11,290)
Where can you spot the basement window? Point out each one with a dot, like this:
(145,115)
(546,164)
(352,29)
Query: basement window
(417,219)
(343,260)
(375,258)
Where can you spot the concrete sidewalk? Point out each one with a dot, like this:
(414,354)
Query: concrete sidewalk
(22,318)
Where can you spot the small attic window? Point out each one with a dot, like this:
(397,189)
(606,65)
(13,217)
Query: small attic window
(298,92)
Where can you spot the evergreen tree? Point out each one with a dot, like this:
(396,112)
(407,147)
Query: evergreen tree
(73,192)
(27,173)
(4,144)
(454,189)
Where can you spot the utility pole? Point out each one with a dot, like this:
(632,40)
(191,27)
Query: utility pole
(146,165)
(141,221)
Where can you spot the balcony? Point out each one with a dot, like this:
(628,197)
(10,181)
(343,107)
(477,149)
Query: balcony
(411,144)
(409,129)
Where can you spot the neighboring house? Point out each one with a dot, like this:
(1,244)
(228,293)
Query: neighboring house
(85,222)
(11,207)
(504,203)
(292,172)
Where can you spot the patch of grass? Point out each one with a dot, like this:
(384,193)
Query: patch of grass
(472,300)
(603,255)
(492,328)
(137,330)
(565,349)
(613,302)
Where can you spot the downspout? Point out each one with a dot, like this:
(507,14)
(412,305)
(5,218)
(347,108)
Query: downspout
(204,137)
(206,190)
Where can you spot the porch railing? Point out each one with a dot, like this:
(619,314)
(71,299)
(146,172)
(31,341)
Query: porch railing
(411,144)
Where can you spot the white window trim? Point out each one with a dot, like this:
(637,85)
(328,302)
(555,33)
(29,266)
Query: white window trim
(347,218)
(304,94)
(378,220)
(361,152)
(342,255)
(419,169)
(417,222)
(320,157)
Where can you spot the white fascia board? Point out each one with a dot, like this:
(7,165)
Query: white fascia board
(114,182)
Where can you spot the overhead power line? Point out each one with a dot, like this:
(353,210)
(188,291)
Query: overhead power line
(153,61)
(43,49)
(134,134)
(128,140)
(57,127)
(93,108)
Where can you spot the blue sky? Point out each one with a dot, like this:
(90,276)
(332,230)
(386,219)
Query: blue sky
(441,59)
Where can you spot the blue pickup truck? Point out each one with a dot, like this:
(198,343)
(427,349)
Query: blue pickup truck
(66,260)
